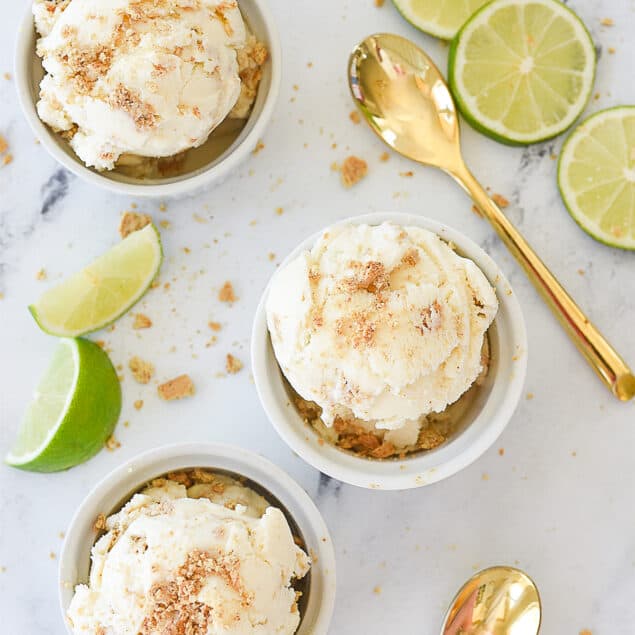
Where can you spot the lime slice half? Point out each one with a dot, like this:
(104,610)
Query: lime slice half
(441,18)
(104,290)
(522,71)
(596,176)
(73,412)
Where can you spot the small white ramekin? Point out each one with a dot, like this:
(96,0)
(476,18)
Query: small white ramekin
(117,488)
(500,394)
(28,73)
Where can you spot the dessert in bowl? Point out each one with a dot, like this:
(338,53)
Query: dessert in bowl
(145,97)
(210,538)
(389,351)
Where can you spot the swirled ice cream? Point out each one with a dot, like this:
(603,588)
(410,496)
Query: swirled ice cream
(381,327)
(143,78)
(194,553)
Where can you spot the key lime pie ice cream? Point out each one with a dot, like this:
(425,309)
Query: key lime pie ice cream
(195,552)
(381,333)
(132,82)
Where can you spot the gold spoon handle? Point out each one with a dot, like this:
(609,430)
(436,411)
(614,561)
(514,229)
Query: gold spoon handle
(602,357)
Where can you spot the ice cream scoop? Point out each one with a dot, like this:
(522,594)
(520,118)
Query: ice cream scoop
(213,558)
(382,323)
(144,77)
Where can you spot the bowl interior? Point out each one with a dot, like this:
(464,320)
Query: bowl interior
(305,522)
(482,423)
(221,143)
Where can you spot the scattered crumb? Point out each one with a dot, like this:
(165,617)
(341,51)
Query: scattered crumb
(271,256)
(279,211)
(354,117)
(215,326)
(177,388)
(309,64)
(259,146)
(476,210)
(132,222)
(4,145)
(500,200)
(596,96)
(334,166)
(7,159)
(41,275)
(112,444)
(163,207)
(7,76)
(501,451)
(607,22)
(138,404)
(377,589)
(611,50)
(141,371)
(553,156)
(199,219)
(61,535)
(165,224)
(409,173)
(379,3)
(384,156)
(585,631)
(529,396)
(252,223)
(100,523)
(353,170)
(226,293)
(52,555)
(485,476)
(141,321)
(574,453)
(581,272)
(232,364)
(187,250)
(296,87)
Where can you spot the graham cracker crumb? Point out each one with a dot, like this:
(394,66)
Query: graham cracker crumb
(500,200)
(611,50)
(141,371)
(142,113)
(353,170)
(384,156)
(7,76)
(259,146)
(409,173)
(271,256)
(138,404)
(165,224)
(52,555)
(581,272)
(529,396)
(141,321)
(112,444)
(501,451)
(41,275)
(4,145)
(379,3)
(485,476)
(377,589)
(132,222)
(232,364)
(177,388)
(607,22)
(226,293)
(279,211)
(585,631)
(163,207)
(8,158)
(100,523)
(215,326)
(354,117)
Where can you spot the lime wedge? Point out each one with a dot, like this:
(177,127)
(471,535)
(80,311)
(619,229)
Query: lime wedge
(522,71)
(441,18)
(104,290)
(73,412)
(596,176)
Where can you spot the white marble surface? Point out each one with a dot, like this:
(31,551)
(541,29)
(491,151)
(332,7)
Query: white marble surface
(558,503)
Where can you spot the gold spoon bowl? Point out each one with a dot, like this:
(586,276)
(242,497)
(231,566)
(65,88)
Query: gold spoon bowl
(406,101)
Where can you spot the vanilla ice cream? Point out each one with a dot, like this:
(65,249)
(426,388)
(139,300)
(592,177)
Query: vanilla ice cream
(149,78)
(203,555)
(380,325)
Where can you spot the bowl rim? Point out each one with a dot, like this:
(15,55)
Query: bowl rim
(421,469)
(187,185)
(225,457)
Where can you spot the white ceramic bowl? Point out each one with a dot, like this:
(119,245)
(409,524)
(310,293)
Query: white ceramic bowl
(485,421)
(28,73)
(275,485)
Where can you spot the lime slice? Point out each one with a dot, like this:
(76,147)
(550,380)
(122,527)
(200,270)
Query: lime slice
(522,71)
(441,18)
(73,412)
(596,176)
(104,290)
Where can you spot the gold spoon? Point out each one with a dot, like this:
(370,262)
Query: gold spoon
(496,601)
(405,100)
